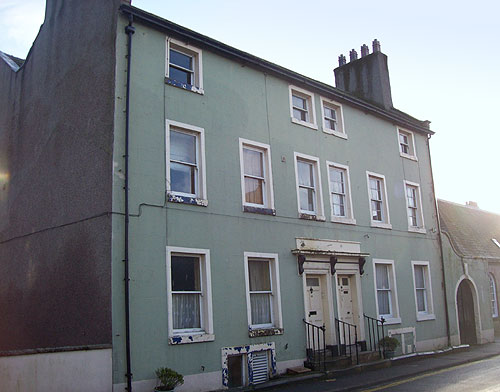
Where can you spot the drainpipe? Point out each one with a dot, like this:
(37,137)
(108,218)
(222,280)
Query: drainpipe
(129,30)
(440,245)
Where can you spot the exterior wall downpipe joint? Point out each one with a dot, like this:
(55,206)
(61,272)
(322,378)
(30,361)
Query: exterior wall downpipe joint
(129,30)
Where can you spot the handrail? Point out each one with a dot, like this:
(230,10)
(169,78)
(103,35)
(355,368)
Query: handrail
(375,329)
(346,338)
(316,344)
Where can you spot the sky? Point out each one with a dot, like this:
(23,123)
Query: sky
(444,63)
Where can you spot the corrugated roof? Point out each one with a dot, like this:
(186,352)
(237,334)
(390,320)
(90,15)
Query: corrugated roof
(470,229)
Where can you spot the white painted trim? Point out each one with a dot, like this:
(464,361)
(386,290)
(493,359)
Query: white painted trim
(268,174)
(340,120)
(395,319)
(493,280)
(320,214)
(411,145)
(429,314)
(420,210)
(276,314)
(200,151)
(207,324)
(312,109)
(386,222)
(402,331)
(191,51)
(475,300)
(349,219)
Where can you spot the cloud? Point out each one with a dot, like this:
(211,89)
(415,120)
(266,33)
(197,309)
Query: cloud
(20,22)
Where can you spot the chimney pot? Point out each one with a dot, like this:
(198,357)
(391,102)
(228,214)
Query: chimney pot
(365,50)
(472,204)
(376,45)
(342,60)
(353,55)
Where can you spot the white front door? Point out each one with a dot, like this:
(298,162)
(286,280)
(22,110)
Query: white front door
(347,309)
(314,295)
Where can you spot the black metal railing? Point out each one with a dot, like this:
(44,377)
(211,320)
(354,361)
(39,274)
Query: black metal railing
(347,339)
(316,345)
(375,328)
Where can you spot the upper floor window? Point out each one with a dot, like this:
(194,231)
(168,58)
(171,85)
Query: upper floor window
(309,194)
(333,119)
(256,176)
(423,290)
(493,295)
(185,161)
(189,295)
(340,193)
(377,194)
(302,108)
(184,66)
(406,144)
(414,207)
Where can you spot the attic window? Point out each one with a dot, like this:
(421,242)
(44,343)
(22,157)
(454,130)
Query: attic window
(496,242)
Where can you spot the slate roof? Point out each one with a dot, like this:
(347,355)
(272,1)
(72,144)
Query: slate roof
(14,62)
(470,229)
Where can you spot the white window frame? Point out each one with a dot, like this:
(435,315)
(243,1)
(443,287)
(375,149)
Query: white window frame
(386,219)
(420,228)
(206,333)
(493,295)
(268,193)
(319,212)
(340,132)
(412,154)
(348,207)
(276,315)
(191,51)
(311,109)
(428,314)
(201,189)
(394,317)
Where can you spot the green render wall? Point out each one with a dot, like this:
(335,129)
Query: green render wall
(477,272)
(242,102)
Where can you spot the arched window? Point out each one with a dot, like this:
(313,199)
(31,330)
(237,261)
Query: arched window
(493,296)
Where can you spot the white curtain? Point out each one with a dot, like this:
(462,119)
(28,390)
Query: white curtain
(383,289)
(186,311)
(260,291)
(261,308)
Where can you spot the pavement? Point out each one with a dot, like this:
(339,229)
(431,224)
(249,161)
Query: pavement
(384,371)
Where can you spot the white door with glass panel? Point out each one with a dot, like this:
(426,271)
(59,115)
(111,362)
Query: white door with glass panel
(315,312)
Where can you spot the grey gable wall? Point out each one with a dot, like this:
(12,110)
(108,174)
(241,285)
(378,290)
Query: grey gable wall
(56,134)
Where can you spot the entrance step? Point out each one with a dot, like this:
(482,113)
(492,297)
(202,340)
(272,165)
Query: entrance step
(297,370)
(369,356)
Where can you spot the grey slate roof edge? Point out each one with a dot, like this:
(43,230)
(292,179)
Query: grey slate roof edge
(10,61)
(395,115)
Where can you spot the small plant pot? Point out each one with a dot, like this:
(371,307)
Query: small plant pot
(389,354)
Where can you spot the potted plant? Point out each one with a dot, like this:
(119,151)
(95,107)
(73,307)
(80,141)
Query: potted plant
(389,344)
(168,379)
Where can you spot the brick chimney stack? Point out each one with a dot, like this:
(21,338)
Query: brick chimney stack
(366,77)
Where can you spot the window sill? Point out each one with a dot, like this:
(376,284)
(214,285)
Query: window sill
(257,332)
(417,230)
(341,135)
(191,338)
(390,321)
(425,317)
(407,156)
(313,217)
(259,210)
(173,198)
(184,86)
(345,221)
(381,225)
(304,123)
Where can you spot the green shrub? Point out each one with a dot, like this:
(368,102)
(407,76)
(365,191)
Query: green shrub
(168,378)
(389,343)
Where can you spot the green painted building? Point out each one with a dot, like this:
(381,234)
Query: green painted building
(229,208)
